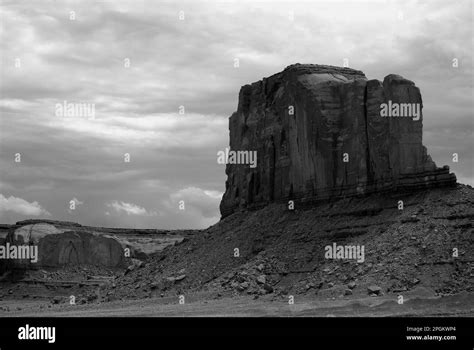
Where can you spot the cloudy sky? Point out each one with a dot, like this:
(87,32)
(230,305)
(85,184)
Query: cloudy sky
(139,61)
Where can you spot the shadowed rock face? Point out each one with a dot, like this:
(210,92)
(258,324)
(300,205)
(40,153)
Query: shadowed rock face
(319,134)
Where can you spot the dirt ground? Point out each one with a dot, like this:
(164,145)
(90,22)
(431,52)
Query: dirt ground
(416,303)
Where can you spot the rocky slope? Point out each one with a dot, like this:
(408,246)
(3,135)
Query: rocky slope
(282,251)
(319,134)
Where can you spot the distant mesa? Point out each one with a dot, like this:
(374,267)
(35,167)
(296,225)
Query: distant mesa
(62,243)
(324,132)
(59,244)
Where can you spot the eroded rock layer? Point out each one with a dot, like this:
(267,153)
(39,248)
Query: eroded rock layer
(318,134)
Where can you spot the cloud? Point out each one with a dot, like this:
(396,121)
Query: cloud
(197,200)
(21,206)
(129,208)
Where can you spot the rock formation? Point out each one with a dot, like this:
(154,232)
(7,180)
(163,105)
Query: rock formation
(57,247)
(319,134)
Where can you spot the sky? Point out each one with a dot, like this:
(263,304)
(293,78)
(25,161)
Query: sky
(163,80)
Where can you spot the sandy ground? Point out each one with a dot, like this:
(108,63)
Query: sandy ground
(242,306)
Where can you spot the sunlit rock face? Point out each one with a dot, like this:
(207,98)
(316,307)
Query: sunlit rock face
(323,132)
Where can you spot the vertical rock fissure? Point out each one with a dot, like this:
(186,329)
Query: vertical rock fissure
(272,168)
(335,157)
(370,177)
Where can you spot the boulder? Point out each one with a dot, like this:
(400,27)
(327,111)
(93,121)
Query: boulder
(135,263)
(268,288)
(374,290)
(176,278)
(318,133)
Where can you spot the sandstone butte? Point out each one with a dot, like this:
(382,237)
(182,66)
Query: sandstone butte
(319,135)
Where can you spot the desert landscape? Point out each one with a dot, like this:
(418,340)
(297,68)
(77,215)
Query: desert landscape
(344,177)
(409,253)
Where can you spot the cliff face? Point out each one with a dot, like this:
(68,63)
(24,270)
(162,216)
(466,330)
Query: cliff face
(323,132)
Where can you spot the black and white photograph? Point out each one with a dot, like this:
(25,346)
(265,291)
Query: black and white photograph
(285,168)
